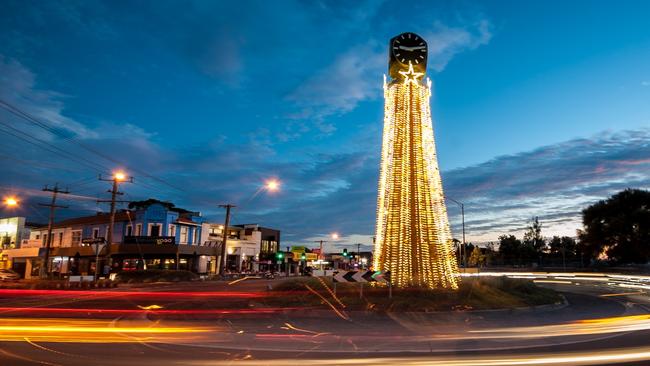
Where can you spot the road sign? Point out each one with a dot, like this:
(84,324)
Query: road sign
(362,276)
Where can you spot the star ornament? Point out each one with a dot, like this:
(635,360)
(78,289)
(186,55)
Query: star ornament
(411,76)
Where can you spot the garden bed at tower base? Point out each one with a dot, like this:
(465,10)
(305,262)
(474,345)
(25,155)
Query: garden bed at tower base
(473,294)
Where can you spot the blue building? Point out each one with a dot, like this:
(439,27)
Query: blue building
(150,235)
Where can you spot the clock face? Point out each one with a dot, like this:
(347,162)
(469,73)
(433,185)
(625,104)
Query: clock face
(409,47)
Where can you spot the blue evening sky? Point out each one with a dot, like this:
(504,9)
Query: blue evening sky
(540,108)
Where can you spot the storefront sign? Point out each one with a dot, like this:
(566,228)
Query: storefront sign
(159,240)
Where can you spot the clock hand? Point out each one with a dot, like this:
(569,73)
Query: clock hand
(405,48)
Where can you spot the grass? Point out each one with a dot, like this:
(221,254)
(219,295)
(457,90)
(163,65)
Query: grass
(473,294)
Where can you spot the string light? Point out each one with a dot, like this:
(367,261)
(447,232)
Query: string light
(413,239)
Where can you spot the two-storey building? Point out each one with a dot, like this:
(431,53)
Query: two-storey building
(152,234)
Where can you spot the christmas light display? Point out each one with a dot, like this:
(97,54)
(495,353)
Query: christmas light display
(413,239)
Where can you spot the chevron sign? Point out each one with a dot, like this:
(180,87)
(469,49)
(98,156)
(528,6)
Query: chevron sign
(361,276)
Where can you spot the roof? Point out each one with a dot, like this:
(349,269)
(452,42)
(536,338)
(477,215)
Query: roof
(185,220)
(100,218)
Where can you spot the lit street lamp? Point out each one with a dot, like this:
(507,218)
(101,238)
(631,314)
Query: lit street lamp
(272,185)
(11,202)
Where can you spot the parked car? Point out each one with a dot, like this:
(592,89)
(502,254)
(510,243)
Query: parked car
(8,275)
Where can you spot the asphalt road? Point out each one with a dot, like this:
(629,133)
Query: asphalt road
(221,324)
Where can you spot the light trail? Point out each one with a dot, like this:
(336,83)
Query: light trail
(155,294)
(623,294)
(576,328)
(336,311)
(612,279)
(92,331)
(614,356)
(112,312)
(242,279)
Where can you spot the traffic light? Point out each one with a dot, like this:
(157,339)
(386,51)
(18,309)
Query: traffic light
(345,252)
(303,256)
(280,255)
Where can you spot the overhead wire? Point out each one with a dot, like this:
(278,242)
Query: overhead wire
(59,132)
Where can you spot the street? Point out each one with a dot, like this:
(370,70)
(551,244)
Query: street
(216,323)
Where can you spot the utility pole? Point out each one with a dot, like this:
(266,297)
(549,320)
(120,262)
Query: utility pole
(222,267)
(116,178)
(320,253)
(45,268)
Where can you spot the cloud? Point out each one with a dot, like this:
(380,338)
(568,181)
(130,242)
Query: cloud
(447,41)
(553,182)
(17,88)
(352,78)
(339,87)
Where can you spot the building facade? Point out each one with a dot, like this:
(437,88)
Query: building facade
(155,235)
(249,248)
(13,232)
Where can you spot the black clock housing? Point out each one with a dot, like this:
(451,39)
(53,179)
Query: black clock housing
(405,48)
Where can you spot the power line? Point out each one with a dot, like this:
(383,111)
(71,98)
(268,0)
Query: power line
(50,147)
(58,132)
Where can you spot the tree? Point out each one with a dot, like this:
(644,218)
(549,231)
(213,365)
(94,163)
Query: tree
(618,227)
(533,235)
(467,252)
(490,253)
(476,258)
(562,247)
(509,249)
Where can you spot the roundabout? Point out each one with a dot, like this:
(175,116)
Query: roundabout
(602,322)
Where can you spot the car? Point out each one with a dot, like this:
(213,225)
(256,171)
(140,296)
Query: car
(8,275)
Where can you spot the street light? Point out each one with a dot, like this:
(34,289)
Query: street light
(462,213)
(11,202)
(272,185)
(119,176)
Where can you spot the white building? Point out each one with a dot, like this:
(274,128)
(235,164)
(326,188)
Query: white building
(249,247)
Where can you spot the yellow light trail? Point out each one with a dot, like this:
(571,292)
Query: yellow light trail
(89,331)
(577,328)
